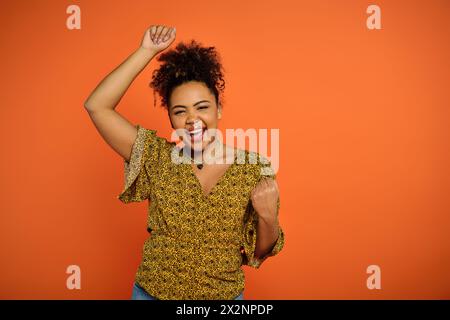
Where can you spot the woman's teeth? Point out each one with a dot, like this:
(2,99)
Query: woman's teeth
(196,131)
(197,134)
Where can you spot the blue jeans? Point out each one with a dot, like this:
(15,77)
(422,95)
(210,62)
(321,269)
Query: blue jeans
(140,294)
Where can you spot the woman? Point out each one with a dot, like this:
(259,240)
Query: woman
(206,218)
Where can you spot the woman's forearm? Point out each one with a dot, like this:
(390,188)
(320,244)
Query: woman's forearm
(110,90)
(267,236)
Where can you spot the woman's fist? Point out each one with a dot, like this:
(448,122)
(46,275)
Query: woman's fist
(157,38)
(265,197)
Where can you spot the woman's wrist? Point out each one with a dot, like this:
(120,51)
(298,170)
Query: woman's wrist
(147,53)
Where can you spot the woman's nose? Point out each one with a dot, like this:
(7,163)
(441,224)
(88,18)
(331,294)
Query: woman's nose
(190,119)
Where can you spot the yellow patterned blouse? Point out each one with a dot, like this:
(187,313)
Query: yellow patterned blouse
(198,242)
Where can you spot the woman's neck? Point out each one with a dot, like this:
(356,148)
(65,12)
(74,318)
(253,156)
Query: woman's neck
(215,152)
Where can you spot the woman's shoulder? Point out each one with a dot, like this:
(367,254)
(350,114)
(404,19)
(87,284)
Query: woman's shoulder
(151,136)
(250,157)
(255,160)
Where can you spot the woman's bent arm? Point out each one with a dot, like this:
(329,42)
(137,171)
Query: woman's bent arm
(116,130)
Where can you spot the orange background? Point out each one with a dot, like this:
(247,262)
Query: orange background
(364,142)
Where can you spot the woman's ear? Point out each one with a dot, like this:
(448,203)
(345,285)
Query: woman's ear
(219,112)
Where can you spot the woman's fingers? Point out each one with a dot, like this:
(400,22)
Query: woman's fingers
(164,34)
(153,32)
(160,33)
(171,33)
(159,29)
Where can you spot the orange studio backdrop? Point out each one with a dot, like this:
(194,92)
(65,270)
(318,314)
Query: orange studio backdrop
(362,112)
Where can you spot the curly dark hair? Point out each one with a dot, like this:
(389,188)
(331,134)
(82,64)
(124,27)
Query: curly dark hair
(188,62)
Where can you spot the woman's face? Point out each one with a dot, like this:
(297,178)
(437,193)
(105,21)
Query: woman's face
(193,107)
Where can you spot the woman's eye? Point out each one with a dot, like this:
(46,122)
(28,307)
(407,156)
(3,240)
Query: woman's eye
(182,111)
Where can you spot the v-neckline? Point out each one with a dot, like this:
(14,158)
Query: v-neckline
(215,186)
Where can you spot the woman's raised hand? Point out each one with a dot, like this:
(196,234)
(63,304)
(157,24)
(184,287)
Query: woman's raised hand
(157,38)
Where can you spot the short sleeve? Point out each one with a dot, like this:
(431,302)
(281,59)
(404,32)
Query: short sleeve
(251,231)
(137,183)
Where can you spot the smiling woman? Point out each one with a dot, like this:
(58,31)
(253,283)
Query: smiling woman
(205,221)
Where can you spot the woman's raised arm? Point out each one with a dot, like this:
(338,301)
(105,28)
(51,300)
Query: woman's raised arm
(117,131)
